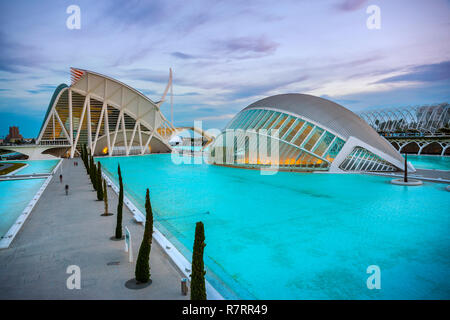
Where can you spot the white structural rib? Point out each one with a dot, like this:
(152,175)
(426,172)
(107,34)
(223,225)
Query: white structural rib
(72,151)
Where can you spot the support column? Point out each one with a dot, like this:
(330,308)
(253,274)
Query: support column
(89,126)
(70,123)
(108,139)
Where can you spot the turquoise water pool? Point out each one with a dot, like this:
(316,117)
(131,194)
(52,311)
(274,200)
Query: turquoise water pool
(37,166)
(430,162)
(299,235)
(14,197)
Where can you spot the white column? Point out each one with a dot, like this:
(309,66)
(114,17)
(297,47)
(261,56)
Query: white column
(108,139)
(53,121)
(70,123)
(89,127)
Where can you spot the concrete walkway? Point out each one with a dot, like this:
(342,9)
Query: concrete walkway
(68,230)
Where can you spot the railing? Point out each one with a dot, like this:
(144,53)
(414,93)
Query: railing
(63,143)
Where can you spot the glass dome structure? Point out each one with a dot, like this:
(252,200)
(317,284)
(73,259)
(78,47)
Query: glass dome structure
(300,132)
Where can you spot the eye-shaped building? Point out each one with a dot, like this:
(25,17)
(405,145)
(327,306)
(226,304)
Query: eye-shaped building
(302,132)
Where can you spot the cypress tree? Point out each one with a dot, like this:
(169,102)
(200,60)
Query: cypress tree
(93,173)
(105,197)
(142,271)
(99,182)
(86,159)
(198,290)
(119,208)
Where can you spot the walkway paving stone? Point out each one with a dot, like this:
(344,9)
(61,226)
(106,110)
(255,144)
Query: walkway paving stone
(68,230)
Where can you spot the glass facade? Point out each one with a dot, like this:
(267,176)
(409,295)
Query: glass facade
(261,137)
(361,159)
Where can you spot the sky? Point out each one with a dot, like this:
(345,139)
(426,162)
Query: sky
(226,54)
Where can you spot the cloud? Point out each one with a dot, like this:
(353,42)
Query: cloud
(191,22)
(351,5)
(182,55)
(15,56)
(42,88)
(144,75)
(135,12)
(246,91)
(423,73)
(248,45)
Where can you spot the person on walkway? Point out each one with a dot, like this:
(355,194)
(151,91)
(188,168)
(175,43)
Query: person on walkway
(67,189)
(60,178)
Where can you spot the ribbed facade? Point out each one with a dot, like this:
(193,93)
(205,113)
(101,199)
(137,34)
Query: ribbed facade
(300,133)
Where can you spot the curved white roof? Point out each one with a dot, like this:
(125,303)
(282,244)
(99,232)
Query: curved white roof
(117,94)
(329,115)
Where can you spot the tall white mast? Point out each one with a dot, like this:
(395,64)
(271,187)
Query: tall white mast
(171,98)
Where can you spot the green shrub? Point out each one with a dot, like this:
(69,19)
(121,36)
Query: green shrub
(99,182)
(105,196)
(142,271)
(198,290)
(119,208)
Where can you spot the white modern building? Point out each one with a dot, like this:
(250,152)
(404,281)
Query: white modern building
(110,117)
(300,132)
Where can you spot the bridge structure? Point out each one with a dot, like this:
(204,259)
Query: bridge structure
(417,130)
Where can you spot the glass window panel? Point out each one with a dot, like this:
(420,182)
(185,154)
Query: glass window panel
(244,116)
(292,156)
(263,120)
(256,118)
(234,121)
(334,149)
(272,120)
(286,126)
(246,152)
(313,138)
(294,131)
(307,160)
(299,158)
(278,123)
(325,141)
(305,131)
(250,119)
(284,150)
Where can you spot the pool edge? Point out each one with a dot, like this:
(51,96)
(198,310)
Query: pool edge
(20,221)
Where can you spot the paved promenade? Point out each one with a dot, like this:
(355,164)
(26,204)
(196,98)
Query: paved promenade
(68,230)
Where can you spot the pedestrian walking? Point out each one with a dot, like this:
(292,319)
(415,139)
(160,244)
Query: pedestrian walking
(60,178)
(67,189)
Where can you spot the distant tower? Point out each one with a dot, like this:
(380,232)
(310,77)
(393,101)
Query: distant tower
(13,135)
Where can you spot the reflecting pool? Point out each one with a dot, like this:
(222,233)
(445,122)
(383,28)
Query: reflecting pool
(14,197)
(36,166)
(430,162)
(299,235)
